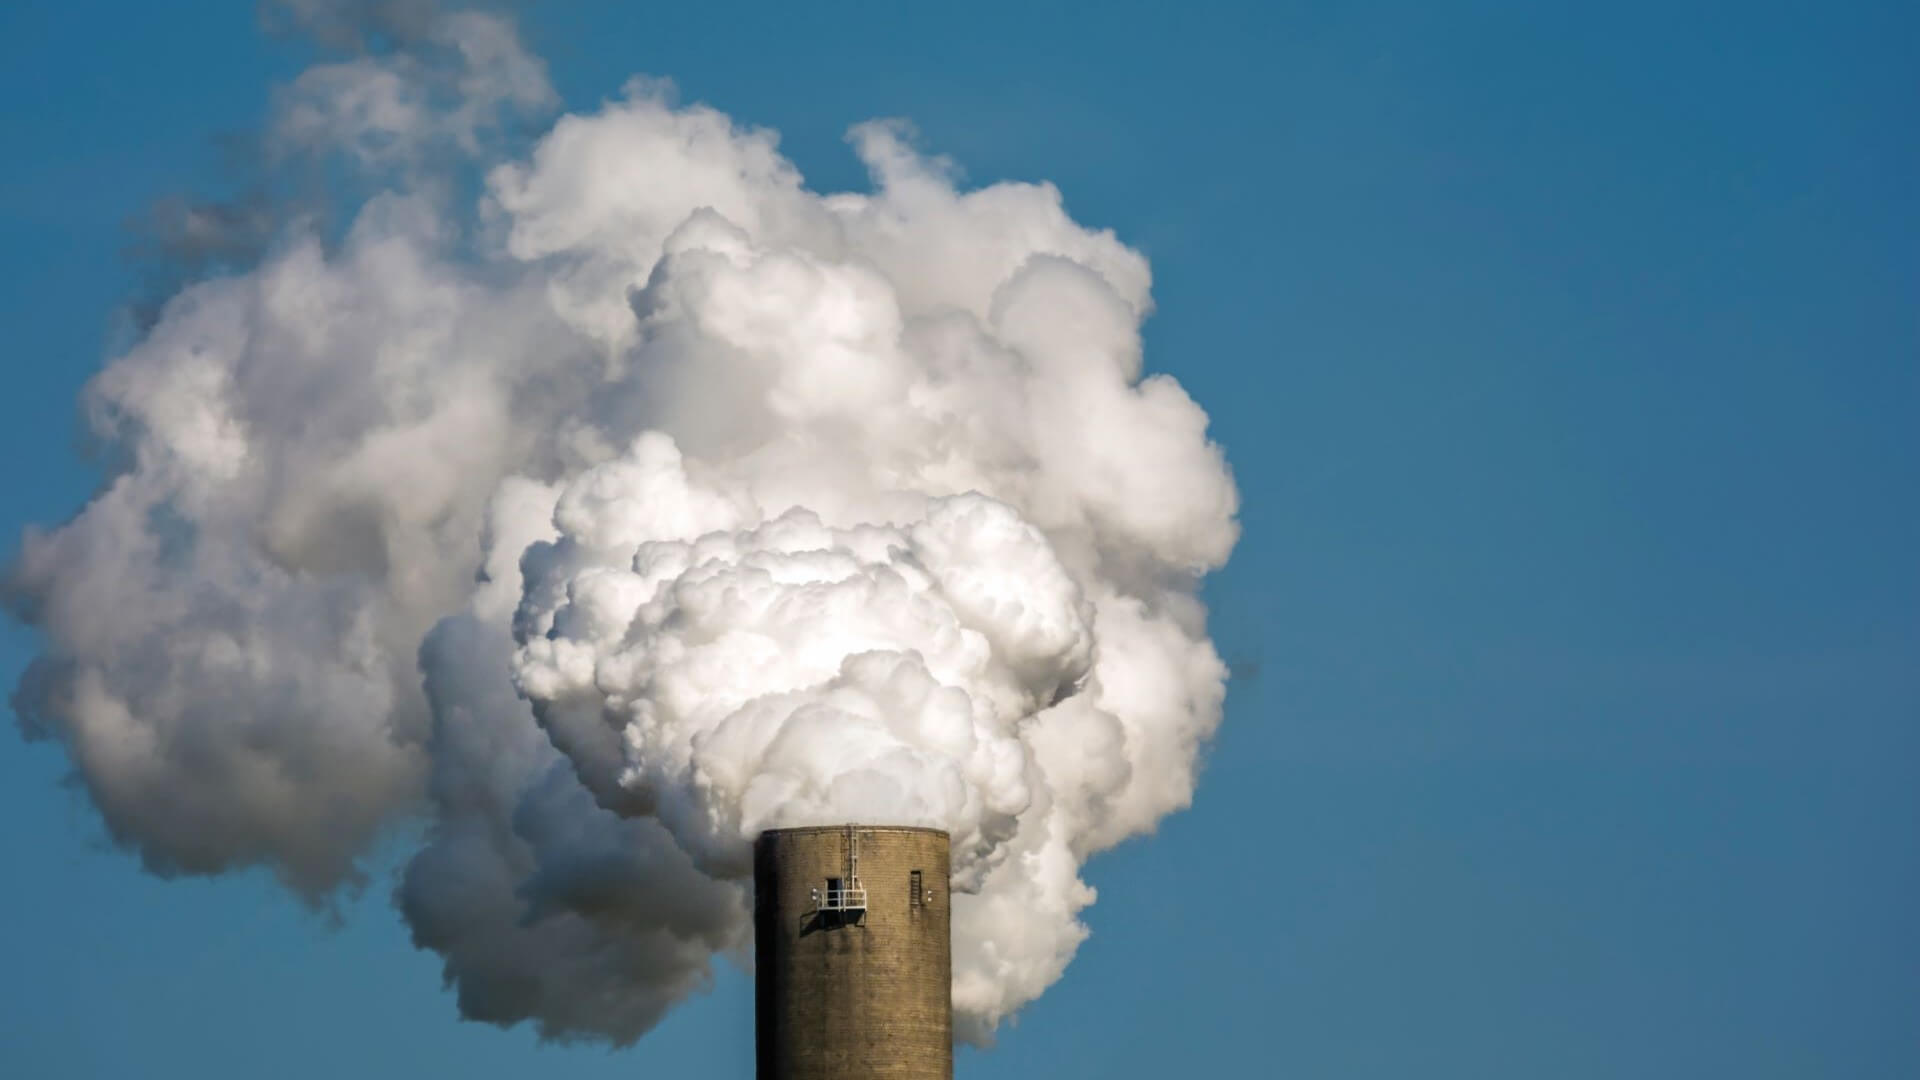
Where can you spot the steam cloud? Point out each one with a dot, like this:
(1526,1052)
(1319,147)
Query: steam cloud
(786,508)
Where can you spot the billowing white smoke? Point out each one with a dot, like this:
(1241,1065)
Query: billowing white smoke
(786,509)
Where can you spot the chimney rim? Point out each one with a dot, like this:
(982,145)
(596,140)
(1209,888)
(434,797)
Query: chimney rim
(794,830)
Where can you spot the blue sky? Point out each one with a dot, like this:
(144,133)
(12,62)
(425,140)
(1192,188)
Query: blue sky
(1569,364)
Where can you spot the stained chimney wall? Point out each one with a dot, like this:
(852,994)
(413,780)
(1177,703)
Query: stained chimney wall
(844,999)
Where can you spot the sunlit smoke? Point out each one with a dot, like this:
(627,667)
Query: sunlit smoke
(645,501)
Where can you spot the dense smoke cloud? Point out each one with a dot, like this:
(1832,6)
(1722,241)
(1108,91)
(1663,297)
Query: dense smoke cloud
(651,501)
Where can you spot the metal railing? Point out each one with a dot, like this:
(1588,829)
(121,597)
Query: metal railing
(844,900)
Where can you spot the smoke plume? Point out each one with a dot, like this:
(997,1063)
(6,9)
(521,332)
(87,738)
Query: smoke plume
(645,501)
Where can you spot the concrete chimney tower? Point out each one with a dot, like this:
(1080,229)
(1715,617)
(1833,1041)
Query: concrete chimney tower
(854,971)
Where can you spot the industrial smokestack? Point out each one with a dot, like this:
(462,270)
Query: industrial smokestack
(855,971)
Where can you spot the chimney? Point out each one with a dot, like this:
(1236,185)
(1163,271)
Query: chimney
(854,967)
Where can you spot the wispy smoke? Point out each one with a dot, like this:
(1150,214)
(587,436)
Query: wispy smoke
(650,502)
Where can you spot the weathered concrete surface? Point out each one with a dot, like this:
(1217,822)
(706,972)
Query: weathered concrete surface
(840,998)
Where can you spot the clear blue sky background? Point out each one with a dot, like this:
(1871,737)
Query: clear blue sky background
(1569,359)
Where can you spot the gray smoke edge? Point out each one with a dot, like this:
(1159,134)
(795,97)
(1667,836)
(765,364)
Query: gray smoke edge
(543,904)
(350,24)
